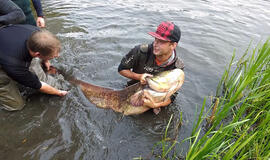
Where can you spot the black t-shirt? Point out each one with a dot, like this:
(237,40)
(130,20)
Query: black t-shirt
(15,58)
(142,60)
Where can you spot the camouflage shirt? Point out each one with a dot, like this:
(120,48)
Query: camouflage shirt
(142,60)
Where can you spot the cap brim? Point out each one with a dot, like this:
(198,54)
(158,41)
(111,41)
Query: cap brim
(154,34)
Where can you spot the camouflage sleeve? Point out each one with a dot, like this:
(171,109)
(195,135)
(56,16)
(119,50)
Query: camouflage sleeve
(179,64)
(129,59)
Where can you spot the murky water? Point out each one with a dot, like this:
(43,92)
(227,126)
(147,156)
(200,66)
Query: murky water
(95,34)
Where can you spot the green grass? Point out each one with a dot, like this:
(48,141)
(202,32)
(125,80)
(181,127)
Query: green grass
(239,124)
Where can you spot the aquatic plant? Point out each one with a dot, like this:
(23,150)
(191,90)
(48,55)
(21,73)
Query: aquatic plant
(238,127)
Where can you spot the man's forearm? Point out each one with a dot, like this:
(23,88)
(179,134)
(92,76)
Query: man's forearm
(45,88)
(130,74)
(164,103)
(160,104)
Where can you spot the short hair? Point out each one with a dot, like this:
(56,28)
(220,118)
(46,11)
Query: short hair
(44,42)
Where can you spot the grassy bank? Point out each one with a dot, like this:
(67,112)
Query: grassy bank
(238,122)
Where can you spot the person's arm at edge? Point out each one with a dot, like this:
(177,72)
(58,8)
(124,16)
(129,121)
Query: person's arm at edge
(45,88)
(46,64)
(38,7)
(12,14)
(40,16)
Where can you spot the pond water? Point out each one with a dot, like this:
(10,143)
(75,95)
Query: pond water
(95,35)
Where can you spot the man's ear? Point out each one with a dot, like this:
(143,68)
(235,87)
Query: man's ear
(36,54)
(174,45)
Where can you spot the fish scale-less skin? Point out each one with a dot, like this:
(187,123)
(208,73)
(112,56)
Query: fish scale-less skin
(108,98)
(163,81)
(123,100)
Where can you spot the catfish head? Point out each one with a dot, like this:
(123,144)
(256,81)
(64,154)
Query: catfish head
(160,87)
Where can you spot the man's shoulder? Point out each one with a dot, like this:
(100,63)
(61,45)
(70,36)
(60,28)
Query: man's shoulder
(144,48)
(22,29)
(141,50)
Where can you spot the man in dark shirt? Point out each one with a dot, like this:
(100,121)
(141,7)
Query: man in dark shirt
(19,45)
(148,60)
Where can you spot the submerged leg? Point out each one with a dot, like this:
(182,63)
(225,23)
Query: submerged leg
(10,97)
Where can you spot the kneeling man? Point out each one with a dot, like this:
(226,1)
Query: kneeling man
(19,44)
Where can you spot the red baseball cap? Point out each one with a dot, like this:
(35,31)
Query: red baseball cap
(167,31)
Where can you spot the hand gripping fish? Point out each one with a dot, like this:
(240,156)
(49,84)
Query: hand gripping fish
(129,100)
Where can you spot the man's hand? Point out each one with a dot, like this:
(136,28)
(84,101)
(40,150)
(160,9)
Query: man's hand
(136,76)
(62,93)
(47,64)
(143,77)
(45,88)
(40,22)
(149,102)
(52,70)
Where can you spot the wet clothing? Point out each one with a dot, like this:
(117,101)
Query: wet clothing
(26,7)
(15,58)
(10,13)
(17,66)
(10,96)
(142,60)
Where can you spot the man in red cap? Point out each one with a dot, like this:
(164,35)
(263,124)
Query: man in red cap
(150,59)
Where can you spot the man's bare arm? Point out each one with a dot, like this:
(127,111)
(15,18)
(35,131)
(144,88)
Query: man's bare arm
(45,88)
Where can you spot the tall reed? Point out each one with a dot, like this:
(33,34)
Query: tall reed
(240,128)
(239,124)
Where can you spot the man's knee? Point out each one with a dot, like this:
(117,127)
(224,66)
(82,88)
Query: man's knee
(14,105)
(10,97)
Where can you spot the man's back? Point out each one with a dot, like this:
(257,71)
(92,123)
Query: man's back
(13,44)
(14,55)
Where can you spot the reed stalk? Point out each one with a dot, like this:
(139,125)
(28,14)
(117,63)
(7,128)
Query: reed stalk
(240,127)
(240,120)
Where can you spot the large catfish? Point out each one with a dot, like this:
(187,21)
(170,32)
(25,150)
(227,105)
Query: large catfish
(129,100)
